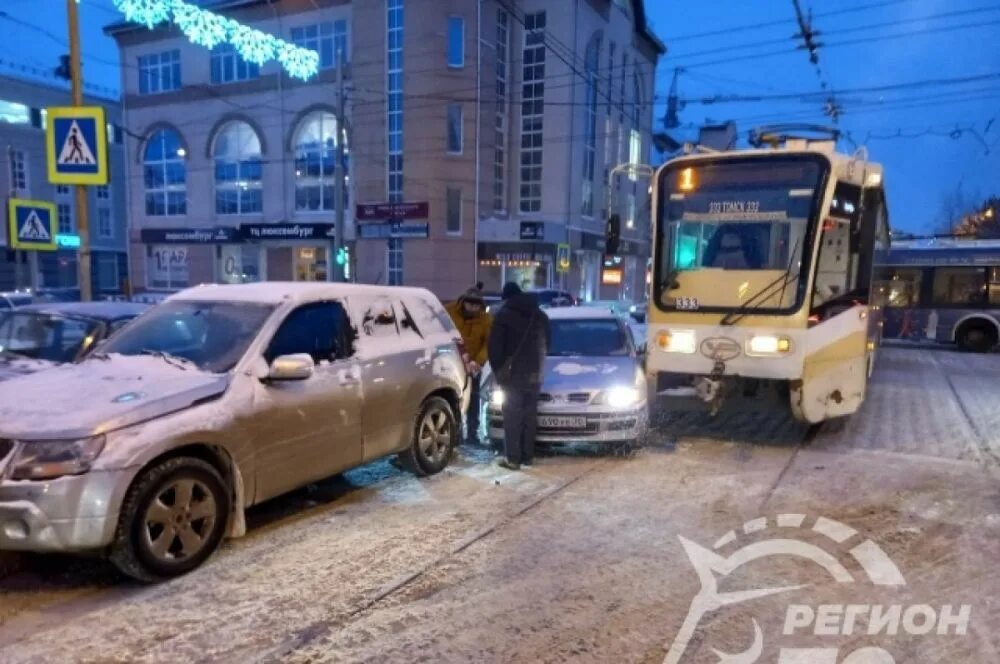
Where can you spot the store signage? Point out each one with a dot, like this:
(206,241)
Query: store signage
(593,242)
(189,235)
(532,230)
(393,230)
(67,241)
(288,231)
(611,276)
(381,211)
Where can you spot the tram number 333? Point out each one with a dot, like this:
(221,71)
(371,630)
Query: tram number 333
(687,303)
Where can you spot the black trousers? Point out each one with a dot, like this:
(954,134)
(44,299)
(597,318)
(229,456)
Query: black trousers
(520,422)
(475,407)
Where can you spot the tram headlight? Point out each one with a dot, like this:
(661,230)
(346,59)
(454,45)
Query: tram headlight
(676,341)
(768,345)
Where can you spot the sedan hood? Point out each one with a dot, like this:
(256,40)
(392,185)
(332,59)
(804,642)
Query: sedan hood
(587,374)
(98,396)
(12,367)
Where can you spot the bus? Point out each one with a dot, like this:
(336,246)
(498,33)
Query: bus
(763,266)
(943,290)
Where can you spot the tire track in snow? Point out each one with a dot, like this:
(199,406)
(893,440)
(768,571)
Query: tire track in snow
(321,628)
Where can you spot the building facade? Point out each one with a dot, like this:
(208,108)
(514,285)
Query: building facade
(25,93)
(478,136)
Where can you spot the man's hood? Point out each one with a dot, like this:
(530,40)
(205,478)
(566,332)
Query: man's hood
(12,366)
(588,374)
(101,395)
(522,304)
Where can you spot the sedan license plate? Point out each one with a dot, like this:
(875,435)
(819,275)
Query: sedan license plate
(562,422)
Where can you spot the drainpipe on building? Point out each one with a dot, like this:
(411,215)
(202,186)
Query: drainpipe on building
(572,130)
(479,92)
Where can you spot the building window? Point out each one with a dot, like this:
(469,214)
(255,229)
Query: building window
(237,170)
(455,128)
(103,192)
(328,39)
(160,72)
(64,213)
(500,133)
(228,66)
(167,266)
(634,151)
(394,99)
(62,190)
(394,261)
(454,215)
(315,161)
(14,113)
(19,171)
(611,75)
(532,112)
(456,42)
(636,100)
(104,228)
(591,64)
(165,175)
(621,88)
(630,211)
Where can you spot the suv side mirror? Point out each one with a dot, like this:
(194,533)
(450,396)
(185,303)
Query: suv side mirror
(291,367)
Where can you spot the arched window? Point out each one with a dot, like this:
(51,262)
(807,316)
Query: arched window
(237,169)
(315,148)
(165,174)
(591,64)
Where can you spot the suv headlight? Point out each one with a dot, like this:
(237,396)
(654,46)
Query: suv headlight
(49,459)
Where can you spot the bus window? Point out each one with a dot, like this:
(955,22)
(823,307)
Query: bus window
(904,287)
(995,286)
(957,286)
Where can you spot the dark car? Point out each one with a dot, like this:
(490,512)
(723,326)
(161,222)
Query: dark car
(11,300)
(548,297)
(39,336)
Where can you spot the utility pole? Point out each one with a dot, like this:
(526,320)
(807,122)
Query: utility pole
(82,221)
(338,170)
(18,254)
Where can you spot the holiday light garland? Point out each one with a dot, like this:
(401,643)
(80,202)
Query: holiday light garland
(209,29)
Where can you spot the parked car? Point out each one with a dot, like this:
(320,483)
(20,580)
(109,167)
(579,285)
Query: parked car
(555,298)
(594,389)
(638,312)
(15,299)
(219,398)
(40,336)
(57,295)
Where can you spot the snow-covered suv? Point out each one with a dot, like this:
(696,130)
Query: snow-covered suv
(221,397)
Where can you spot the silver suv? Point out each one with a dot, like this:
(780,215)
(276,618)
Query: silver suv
(219,398)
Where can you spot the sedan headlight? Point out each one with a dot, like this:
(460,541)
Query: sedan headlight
(496,398)
(676,341)
(768,345)
(48,459)
(622,397)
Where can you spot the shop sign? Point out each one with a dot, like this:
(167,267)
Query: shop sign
(611,276)
(288,231)
(532,230)
(591,242)
(393,230)
(189,235)
(381,211)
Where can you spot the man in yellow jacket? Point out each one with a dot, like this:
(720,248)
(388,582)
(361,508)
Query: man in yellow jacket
(468,313)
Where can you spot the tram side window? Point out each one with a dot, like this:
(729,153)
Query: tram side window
(904,287)
(956,286)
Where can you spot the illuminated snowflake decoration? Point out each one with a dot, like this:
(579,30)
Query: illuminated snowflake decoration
(208,29)
(201,27)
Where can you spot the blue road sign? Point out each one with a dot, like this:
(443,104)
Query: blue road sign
(77,145)
(32,225)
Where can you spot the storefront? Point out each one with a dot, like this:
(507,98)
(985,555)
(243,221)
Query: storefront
(289,252)
(176,258)
(530,265)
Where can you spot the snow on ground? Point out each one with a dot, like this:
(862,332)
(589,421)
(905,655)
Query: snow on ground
(577,559)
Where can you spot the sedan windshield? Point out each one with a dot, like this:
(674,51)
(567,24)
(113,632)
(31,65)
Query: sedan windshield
(587,338)
(45,336)
(212,335)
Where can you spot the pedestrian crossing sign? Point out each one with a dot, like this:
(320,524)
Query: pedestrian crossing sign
(76,142)
(31,225)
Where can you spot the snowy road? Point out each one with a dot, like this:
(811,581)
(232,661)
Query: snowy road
(580,558)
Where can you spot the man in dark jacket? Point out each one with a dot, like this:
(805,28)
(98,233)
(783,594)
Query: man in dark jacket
(519,342)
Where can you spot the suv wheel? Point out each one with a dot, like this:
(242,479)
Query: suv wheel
(435,437)
(977,337)
(172,519)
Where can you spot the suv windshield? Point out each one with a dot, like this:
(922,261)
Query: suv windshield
(43,336)
(212,335)
(734,219)
(587,338)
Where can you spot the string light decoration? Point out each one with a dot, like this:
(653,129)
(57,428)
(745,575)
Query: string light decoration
(209,29)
